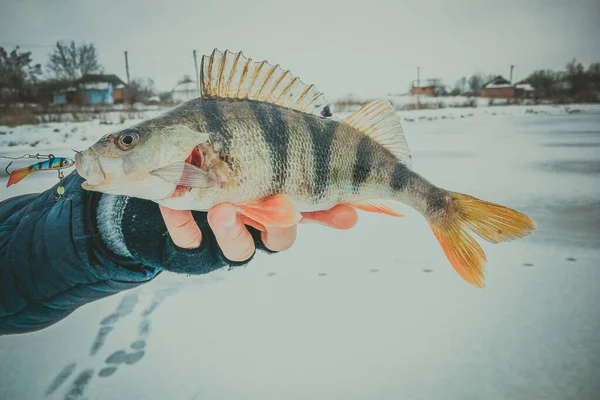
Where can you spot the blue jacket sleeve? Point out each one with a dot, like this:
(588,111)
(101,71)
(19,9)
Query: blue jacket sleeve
(52,260)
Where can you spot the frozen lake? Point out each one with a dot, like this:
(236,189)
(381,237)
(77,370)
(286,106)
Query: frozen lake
(373,312)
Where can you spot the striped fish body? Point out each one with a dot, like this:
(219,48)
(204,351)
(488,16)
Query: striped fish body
(319,162)
(262,140)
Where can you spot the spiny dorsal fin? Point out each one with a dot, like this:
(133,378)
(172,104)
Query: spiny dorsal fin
(233,76)
(379,121)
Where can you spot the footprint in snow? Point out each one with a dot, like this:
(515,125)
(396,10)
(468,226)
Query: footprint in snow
(121,357)
(124,308)
(61,378)
(79,385)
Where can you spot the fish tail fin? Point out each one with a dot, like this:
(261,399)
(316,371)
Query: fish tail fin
(17,175)
(493,222)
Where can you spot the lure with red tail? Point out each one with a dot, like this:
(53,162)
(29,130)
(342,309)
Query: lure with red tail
(56,163)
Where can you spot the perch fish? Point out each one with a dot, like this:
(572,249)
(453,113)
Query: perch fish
(261,139)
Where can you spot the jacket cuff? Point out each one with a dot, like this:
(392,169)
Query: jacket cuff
(133,229)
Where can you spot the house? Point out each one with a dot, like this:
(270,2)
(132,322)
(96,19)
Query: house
(92,89)
(65,95)
(524,90)
(185,90)
(101,89)
(423,89)
(498,88)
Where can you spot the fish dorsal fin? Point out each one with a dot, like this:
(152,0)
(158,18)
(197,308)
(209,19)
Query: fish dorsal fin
(379,121)
(229,75)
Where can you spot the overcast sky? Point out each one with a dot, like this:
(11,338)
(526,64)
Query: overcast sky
(366,48)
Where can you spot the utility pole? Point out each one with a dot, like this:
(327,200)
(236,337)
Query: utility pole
(419,87)
(197,76)
(511,72)
(127,67)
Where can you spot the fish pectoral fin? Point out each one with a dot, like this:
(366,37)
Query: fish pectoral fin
(377,206)
(250,222)
(184,174)
(17,175)
(277,210)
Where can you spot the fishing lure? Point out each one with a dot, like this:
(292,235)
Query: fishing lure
(52,163)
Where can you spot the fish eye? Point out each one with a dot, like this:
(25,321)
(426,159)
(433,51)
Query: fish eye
(127,139)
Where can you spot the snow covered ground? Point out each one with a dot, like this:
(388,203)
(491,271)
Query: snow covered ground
(408,100)
(374,312)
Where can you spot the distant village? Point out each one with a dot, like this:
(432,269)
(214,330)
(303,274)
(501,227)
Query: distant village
(107,89)
(497,88)
(73,75)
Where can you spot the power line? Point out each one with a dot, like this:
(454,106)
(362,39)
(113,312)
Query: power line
(29,45)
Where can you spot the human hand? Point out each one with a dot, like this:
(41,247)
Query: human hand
(232,235)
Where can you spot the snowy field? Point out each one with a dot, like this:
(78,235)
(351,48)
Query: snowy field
(375,312)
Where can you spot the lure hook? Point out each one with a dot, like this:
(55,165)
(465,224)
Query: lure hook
(37,156)
(6,169)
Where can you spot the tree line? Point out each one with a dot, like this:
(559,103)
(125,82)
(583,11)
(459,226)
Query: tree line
(574,83)
(23,81)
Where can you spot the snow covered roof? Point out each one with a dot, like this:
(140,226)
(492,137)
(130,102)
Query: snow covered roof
(498,82)
(94,78)
(525,86)
(422,85)
(96,85)
(498,85)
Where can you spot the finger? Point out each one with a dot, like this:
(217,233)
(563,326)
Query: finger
(279,239)
(233,238)
(181,226)
(340,217)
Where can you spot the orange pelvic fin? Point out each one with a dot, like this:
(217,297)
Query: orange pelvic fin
(277,210)
(376,207)
(493,222)
(18,175)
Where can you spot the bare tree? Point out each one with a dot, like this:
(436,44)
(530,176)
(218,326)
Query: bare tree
(477,81)
(593,73)
(544,82)
(575,74)
(17,74)
(140,89)
(461,86)
(438,86)
(71,61)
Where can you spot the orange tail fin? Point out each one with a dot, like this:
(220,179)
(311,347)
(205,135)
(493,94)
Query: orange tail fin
(492,222)
(17,175)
